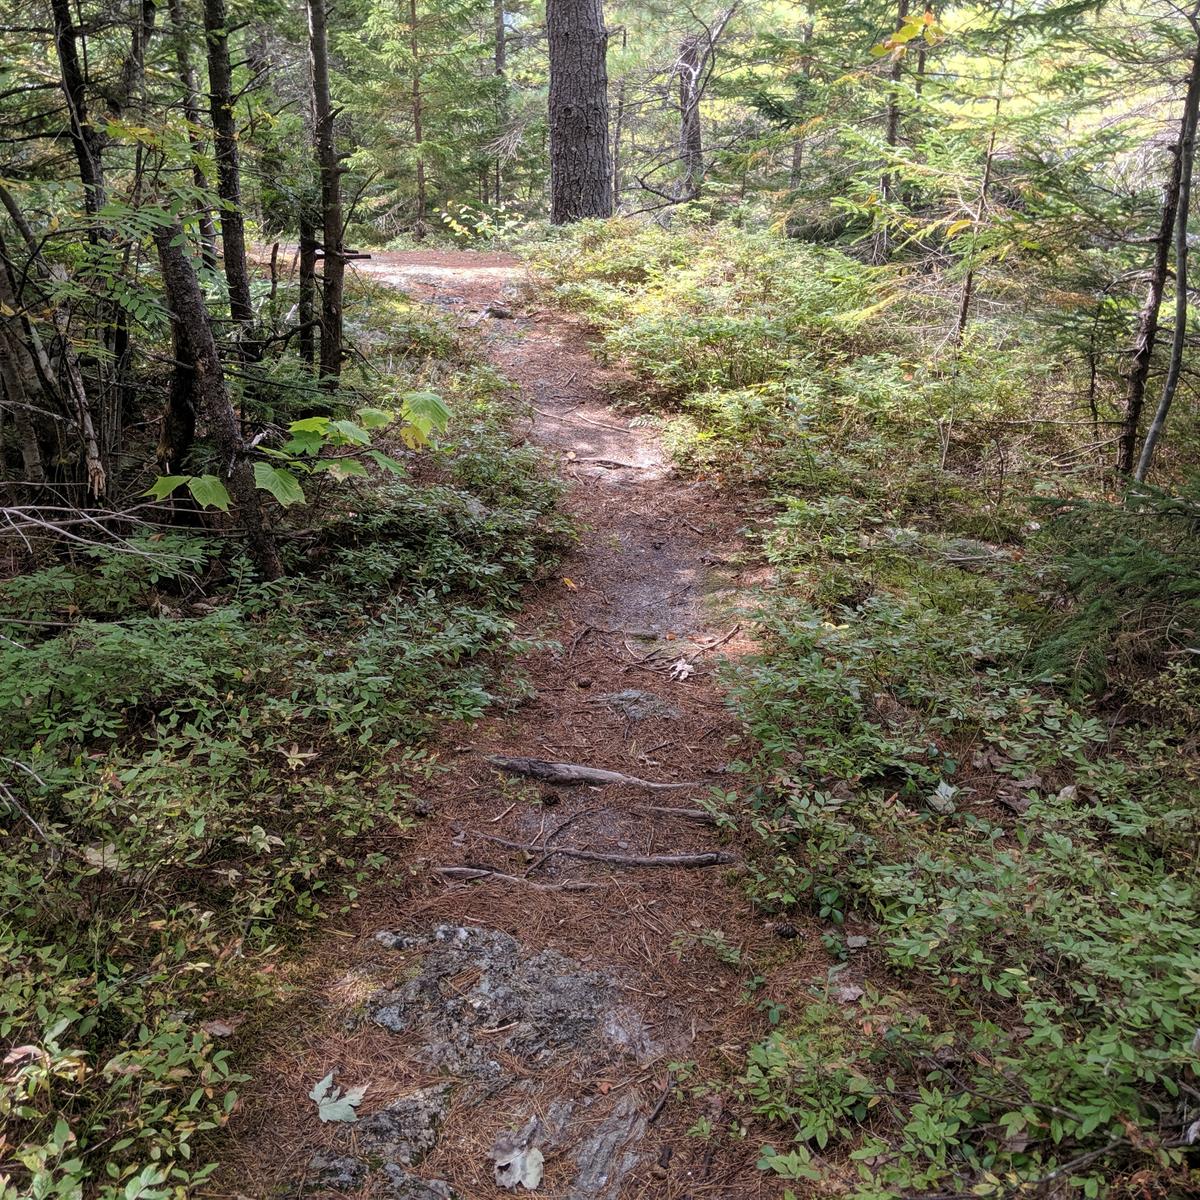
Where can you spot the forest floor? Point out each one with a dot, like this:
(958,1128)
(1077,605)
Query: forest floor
(570,1003)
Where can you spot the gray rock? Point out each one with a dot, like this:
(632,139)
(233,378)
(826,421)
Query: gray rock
(341,1172)
(523,1005)
(407,1129)
(604,1158)
(638,705)
(402,1185)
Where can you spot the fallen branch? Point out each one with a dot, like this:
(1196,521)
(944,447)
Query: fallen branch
(568,774)
(707,858)
(468,874)
(684,814)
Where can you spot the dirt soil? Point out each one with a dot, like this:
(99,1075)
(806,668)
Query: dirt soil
(545,1010)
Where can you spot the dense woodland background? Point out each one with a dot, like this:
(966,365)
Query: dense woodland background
(910,280)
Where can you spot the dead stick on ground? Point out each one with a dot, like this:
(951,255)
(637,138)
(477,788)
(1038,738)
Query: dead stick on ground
(684,814)
(709,858)
(567,774)
(468,874)
(713,645)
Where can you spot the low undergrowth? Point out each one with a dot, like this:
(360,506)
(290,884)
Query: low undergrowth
(196,766)
(972,722)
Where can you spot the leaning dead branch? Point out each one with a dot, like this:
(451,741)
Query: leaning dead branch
(569,774)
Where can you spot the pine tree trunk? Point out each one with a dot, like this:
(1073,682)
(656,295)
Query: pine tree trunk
(229,182)
(882,249)
(186,303)
(1186,157)
(798,143)
(1147,326)
(334,261)
(580,159)
(307,306)
(418,115)
(501,66)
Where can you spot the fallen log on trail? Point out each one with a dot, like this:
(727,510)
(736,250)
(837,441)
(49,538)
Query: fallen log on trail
(706,858)
(568,774)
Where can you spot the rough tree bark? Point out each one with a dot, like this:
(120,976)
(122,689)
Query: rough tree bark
(86,139)
(418,114)
(500,32)
(186,303)
(334,269)
(985,187)
(229,181)
(581,166)
(1186,156)
(191,111)
(798,142)
(1146,335)
(691,136)
(307,306)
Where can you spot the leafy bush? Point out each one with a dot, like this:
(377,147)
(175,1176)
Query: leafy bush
(193,763)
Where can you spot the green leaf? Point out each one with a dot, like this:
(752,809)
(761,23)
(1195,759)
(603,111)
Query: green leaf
(384,462)
(342,468)
(375,418)
(164,485)
(209,491)
(310,425)
(283,485)
(426,411)
(350,432)
(305,441)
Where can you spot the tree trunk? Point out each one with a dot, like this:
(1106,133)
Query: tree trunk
(798,143)
(1147,325)
(1186,157)
(689,66)
(179,418)
(501,66)
(580,159)
(882,249)
(985,184)
(922,49)
(229,183)
(418,116)
(334,261)
(191,112)
(85,138)
(186,303)
(307,307)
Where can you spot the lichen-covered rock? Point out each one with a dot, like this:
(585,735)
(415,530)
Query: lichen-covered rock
(640,706)
(339,1172)
(524,1005)
(407,1129)
(402,1185)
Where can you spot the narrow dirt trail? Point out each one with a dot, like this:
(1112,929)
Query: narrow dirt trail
(551,999)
